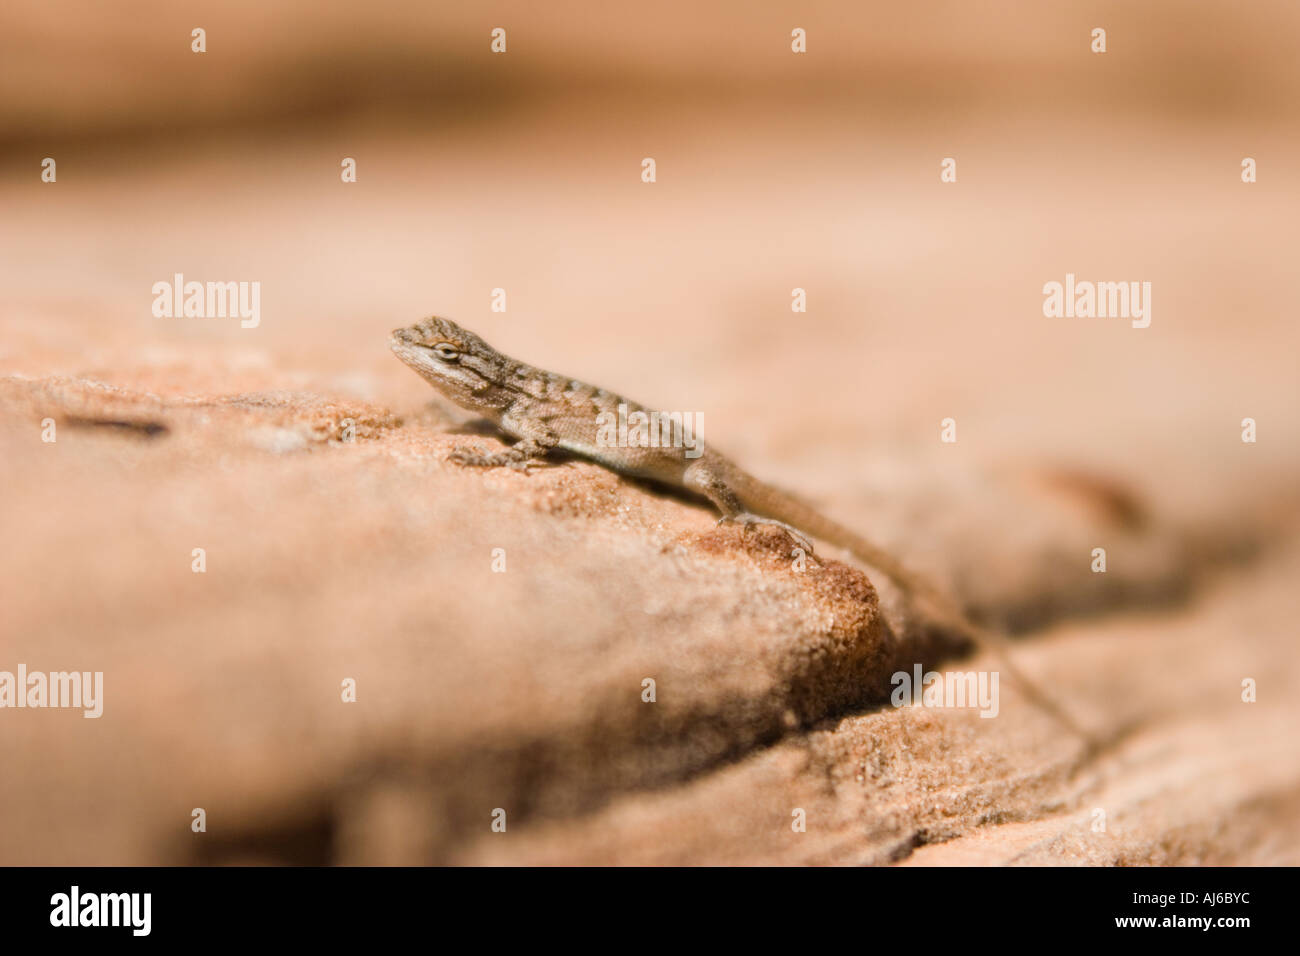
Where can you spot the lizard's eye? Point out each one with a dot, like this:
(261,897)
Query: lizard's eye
(447,353)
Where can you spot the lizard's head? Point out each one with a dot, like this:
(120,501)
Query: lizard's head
(452,359)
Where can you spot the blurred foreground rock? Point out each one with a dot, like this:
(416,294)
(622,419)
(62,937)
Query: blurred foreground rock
(340,545)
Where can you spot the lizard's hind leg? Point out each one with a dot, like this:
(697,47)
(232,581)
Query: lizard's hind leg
(700,478)
(748,521)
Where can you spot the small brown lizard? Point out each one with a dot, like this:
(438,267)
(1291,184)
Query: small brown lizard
(544,411)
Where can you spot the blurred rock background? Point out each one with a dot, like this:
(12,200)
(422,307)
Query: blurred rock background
(521,171)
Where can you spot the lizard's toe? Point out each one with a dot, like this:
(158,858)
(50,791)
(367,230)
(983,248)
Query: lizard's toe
(471,458)
(750,521)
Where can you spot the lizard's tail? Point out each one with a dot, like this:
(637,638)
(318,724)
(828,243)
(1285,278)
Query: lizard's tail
(762,499)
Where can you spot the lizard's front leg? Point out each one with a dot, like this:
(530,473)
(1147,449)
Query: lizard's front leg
(520,456)
(535,440)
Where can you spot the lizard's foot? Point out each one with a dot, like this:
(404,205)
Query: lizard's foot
(748,521)
(507,458)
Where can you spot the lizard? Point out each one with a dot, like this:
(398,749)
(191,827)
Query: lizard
(546,412)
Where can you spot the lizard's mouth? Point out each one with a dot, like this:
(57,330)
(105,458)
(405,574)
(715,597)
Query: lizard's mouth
(412,353)
(452,378)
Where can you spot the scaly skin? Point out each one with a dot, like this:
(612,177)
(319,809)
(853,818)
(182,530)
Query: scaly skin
(544,411)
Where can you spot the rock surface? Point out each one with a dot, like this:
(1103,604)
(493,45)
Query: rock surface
(339,543)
